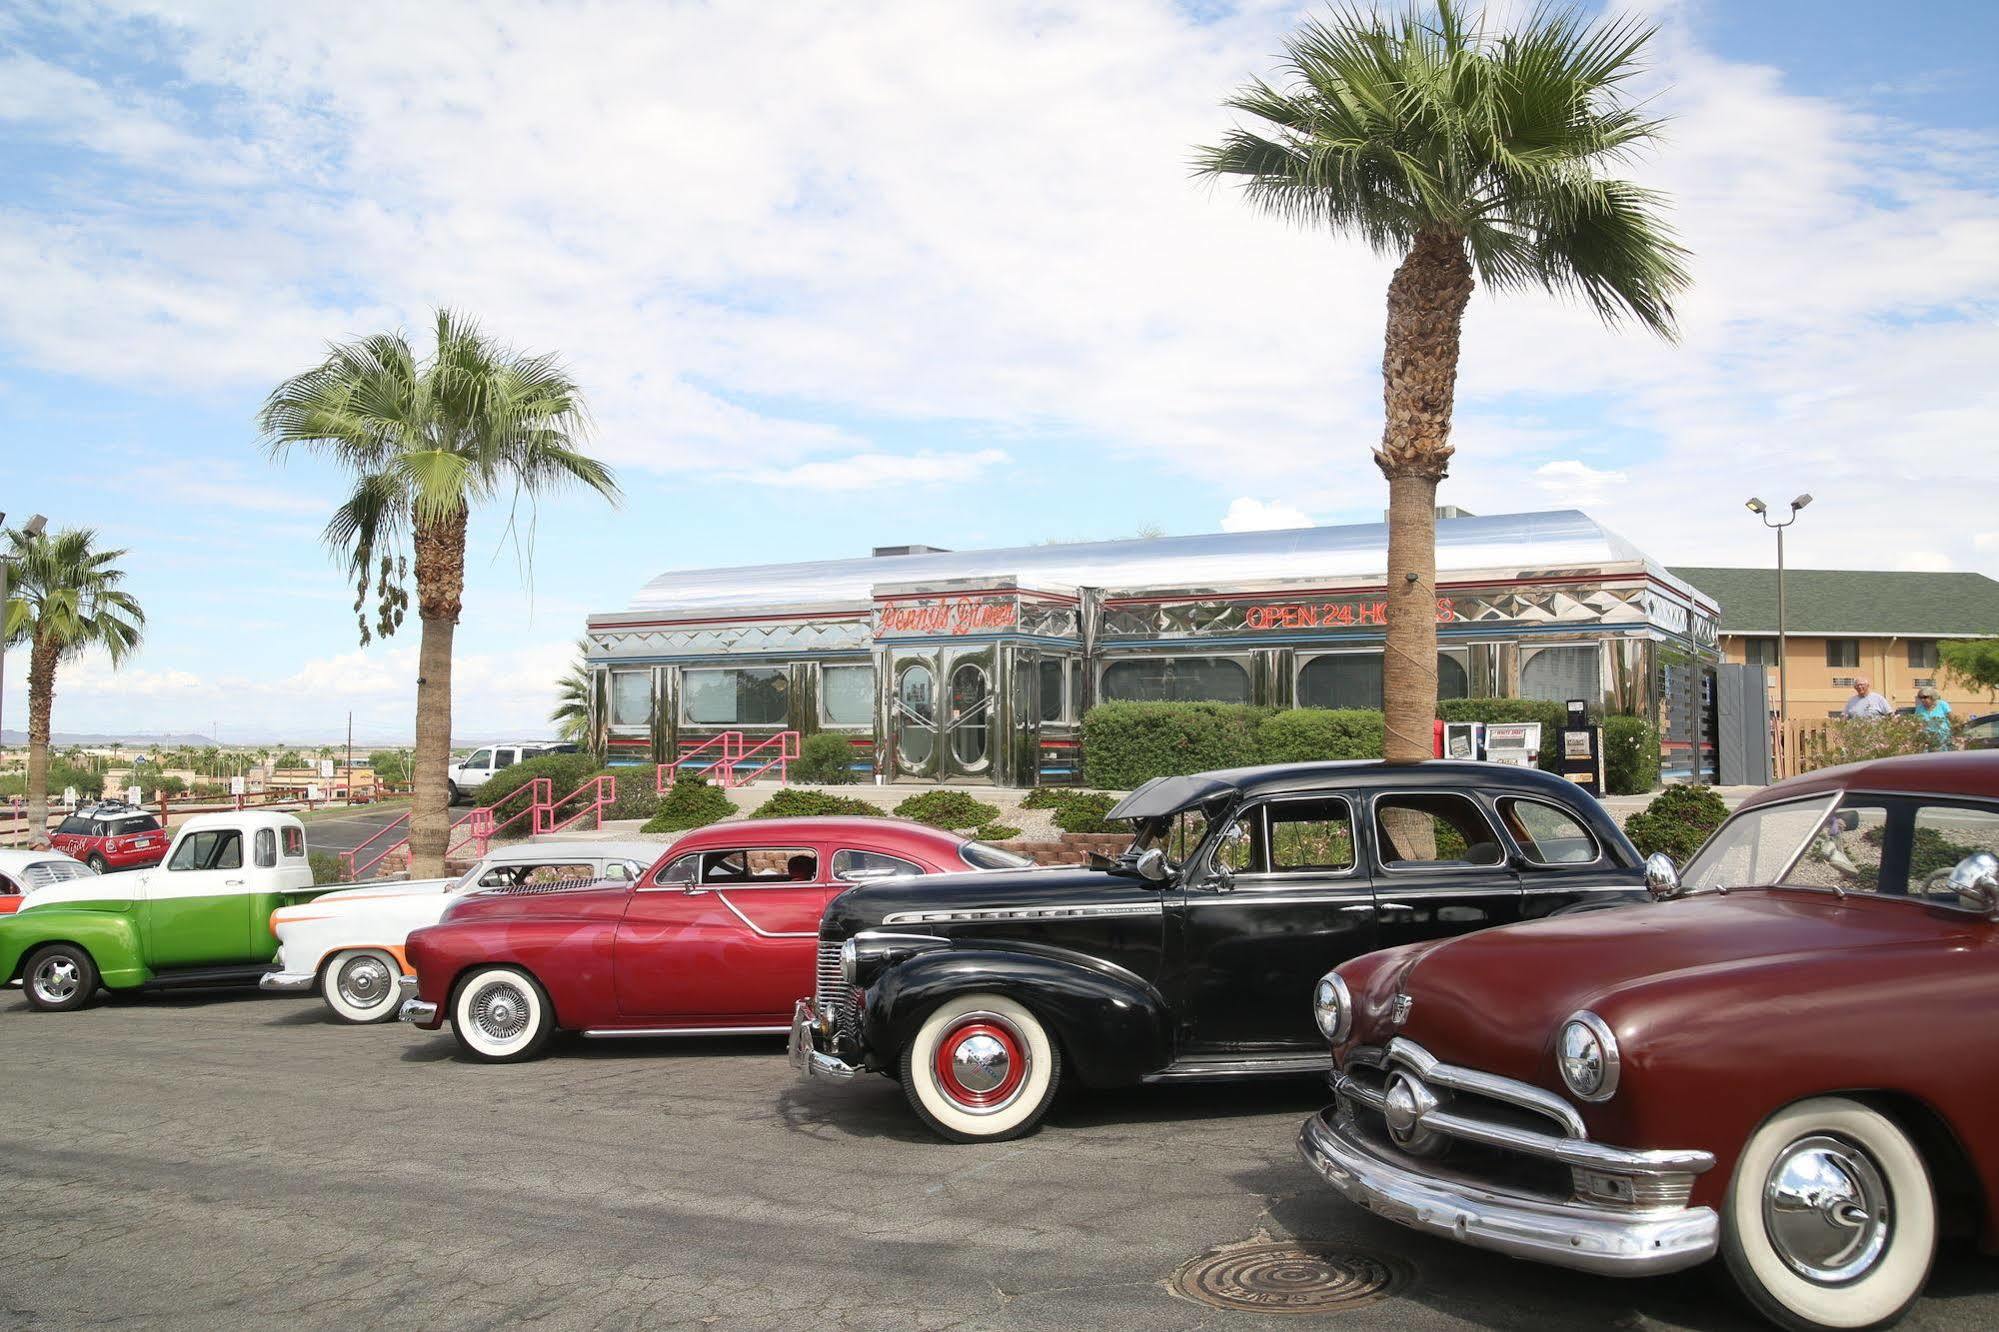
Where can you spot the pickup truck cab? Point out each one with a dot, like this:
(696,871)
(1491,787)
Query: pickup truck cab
(469,773)
(202,917)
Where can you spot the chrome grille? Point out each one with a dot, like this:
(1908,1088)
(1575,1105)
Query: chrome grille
(828,987)
(45,872)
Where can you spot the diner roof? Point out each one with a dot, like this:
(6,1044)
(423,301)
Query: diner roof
(1851,602)
(1509,545)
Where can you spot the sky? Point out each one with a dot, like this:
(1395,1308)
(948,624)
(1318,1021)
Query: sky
(917,272)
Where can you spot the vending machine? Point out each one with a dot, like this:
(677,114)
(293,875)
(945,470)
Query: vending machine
(1581,754)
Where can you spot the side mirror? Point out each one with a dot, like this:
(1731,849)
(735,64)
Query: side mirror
(1662,881)
(1976,878)
(1151,865)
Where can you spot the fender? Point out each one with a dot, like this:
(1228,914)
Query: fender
(110,937)
(1113,1027)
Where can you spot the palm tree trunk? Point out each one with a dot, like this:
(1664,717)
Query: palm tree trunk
(41,704)
(1419,371)
(440,588)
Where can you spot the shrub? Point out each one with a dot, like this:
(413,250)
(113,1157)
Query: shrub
(1861,738)
(949,810)
(1128,744)
(1306,735)
(1630,756)
(997,832)
(1047,797)
(1677,821)
(636,797)
(327,867)
(793,803)
(1085,814)
(826,759)
(691,803)
(565,772)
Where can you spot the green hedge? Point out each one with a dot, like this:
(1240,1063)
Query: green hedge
(1305,735)
(1085,814)
(690,803)
(1630,755)
(1127,744)
(795,803)
(1677,821)
(826,759)
(949,810)
(565,773)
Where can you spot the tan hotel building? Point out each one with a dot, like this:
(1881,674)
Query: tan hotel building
(1846,623)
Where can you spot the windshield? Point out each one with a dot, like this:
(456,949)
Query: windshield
(981,856)
(1757,846)
(1177,835)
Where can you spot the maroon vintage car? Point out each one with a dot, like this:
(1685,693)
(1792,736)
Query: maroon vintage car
(718,937)
(1791,1060)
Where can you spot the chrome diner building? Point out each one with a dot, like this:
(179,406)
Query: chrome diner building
(977,666)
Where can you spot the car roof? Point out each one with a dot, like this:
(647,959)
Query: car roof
(1169,795)
(13,857)
(1970,772)
(815,827)
(521,851)
(243,818)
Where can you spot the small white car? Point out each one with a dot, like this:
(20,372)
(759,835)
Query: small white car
(469,773)
(21,872)
(349,944)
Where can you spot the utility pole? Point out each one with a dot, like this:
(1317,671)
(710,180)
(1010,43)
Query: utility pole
(1762,510)
(350,756)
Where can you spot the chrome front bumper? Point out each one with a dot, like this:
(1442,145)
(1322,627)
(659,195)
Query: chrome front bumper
(287,980)
(806,1056)
(1569,1234)
(413,1009)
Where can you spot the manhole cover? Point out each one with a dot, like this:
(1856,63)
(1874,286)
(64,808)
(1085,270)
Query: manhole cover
(1298,1276)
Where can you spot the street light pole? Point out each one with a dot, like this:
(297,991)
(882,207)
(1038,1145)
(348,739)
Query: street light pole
(1762,510)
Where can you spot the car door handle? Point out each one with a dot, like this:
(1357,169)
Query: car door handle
(232,883)
(1393,906)
(1359,906)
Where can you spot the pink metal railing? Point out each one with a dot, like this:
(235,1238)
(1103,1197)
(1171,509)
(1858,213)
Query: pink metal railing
(603,791)
(540,793)
(780,758)
(720,749)
(474,832)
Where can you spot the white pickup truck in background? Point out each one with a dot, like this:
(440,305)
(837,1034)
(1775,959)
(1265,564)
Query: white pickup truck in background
(471,772)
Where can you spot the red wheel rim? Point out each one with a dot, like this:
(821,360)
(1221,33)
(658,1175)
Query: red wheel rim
(962,1079)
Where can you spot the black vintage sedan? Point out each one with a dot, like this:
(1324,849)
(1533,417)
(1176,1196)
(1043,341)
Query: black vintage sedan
(1193,955)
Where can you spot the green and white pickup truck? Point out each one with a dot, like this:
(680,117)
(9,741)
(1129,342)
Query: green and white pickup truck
(200,917)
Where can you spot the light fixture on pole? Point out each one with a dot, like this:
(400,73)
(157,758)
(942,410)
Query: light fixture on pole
(29,530)
(1762,510)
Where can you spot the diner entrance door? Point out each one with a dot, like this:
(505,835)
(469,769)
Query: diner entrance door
(942,713)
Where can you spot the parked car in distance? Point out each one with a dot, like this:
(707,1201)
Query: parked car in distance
(348,944)
(200,918)
(21,872)
(715,938)
(112,835)
(466,775)
(1791,1060)
(1982,732)
(1193,956)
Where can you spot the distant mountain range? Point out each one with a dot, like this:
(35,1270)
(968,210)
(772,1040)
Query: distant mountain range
(11,738)
(64,739)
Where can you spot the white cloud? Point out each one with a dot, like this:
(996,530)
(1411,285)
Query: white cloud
(1255,515)
(1570,483)
(1924,561)
(871,471)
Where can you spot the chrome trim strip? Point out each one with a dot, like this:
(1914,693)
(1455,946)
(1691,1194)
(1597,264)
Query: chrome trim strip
(279,980)
(1058,911)
(1590,1239)
(602,1032)
(1402,1050)
(759,930)
(1586,888)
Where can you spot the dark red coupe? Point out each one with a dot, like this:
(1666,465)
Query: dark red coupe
(718,937)
(1791,1060)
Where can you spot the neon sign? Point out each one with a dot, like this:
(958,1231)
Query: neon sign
(1331,615)
(948,615)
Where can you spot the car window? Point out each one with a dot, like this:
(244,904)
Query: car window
(1434,828)
(552,871)
(267,848)
(504,758)
(1547,835)
(1310,836)
(480,758)
(1944,835)
(850,866)
(1756,845)
(294,843)
(983,856)
(620,871)
(73,827)
(1985,728)
(1845,851)
(680,872)
(133,824)
(209,849)
(760,865)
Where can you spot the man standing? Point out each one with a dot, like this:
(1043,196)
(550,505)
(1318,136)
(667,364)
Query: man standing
(1934,714)
(1865,702)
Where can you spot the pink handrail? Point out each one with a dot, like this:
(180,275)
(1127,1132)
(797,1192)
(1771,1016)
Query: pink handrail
(603,790)
(731,743)
(787,753)
(478,827)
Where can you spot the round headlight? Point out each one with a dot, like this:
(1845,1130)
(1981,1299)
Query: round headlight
(850,962)
(1332,1008)
(1587,1057)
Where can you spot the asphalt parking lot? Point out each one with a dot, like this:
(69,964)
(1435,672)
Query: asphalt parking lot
(236,1159)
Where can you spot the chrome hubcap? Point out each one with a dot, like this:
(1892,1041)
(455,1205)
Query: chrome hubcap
(500,1012)
(980,1063)
(364,982)
(57,979)
(1826,1210)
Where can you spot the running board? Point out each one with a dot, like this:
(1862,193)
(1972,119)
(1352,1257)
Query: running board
(605,1033)
(194,976)
(1222,1070)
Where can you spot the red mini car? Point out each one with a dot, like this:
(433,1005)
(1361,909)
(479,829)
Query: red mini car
(112,836)
(718,937)
(1791,1060)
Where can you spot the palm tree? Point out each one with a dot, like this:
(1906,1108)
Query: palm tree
(64,600)
(1466,155)
(426,441)
(572,693)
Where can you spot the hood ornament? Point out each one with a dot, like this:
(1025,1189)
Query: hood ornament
(1398,1009)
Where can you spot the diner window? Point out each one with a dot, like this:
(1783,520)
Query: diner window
(847,695)
(1311,836)
(1842,652)
(1054,681)
(1433,828)
(1177,680)
(746,697)
(1557,674)
(1353,680)
(631,698)
(1759,652)
(1547,835)
(1922,654)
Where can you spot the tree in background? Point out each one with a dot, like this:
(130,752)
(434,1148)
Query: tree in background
(572,698)
(63,600)
(1972,662)
(391,766)
(1463,154)
(427,440)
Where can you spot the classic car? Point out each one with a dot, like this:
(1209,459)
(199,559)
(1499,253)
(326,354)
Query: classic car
(201,918)
(348,945)
(21,872)
(715,938)
(1790,1060)
(1193,955)
(112,835)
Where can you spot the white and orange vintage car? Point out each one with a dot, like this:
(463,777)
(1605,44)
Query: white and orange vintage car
(348,945)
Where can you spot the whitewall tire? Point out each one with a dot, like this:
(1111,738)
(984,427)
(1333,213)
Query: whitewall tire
(501,1015)
(981,1068)
(360,985)
(1831,1221)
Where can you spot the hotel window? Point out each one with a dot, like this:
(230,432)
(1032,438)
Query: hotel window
(735,697)
(1177,680)
(1759,652)
(1558,674)
(847,695)
(631,698)
(1922,654)
(1842,652)
(1353,680)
